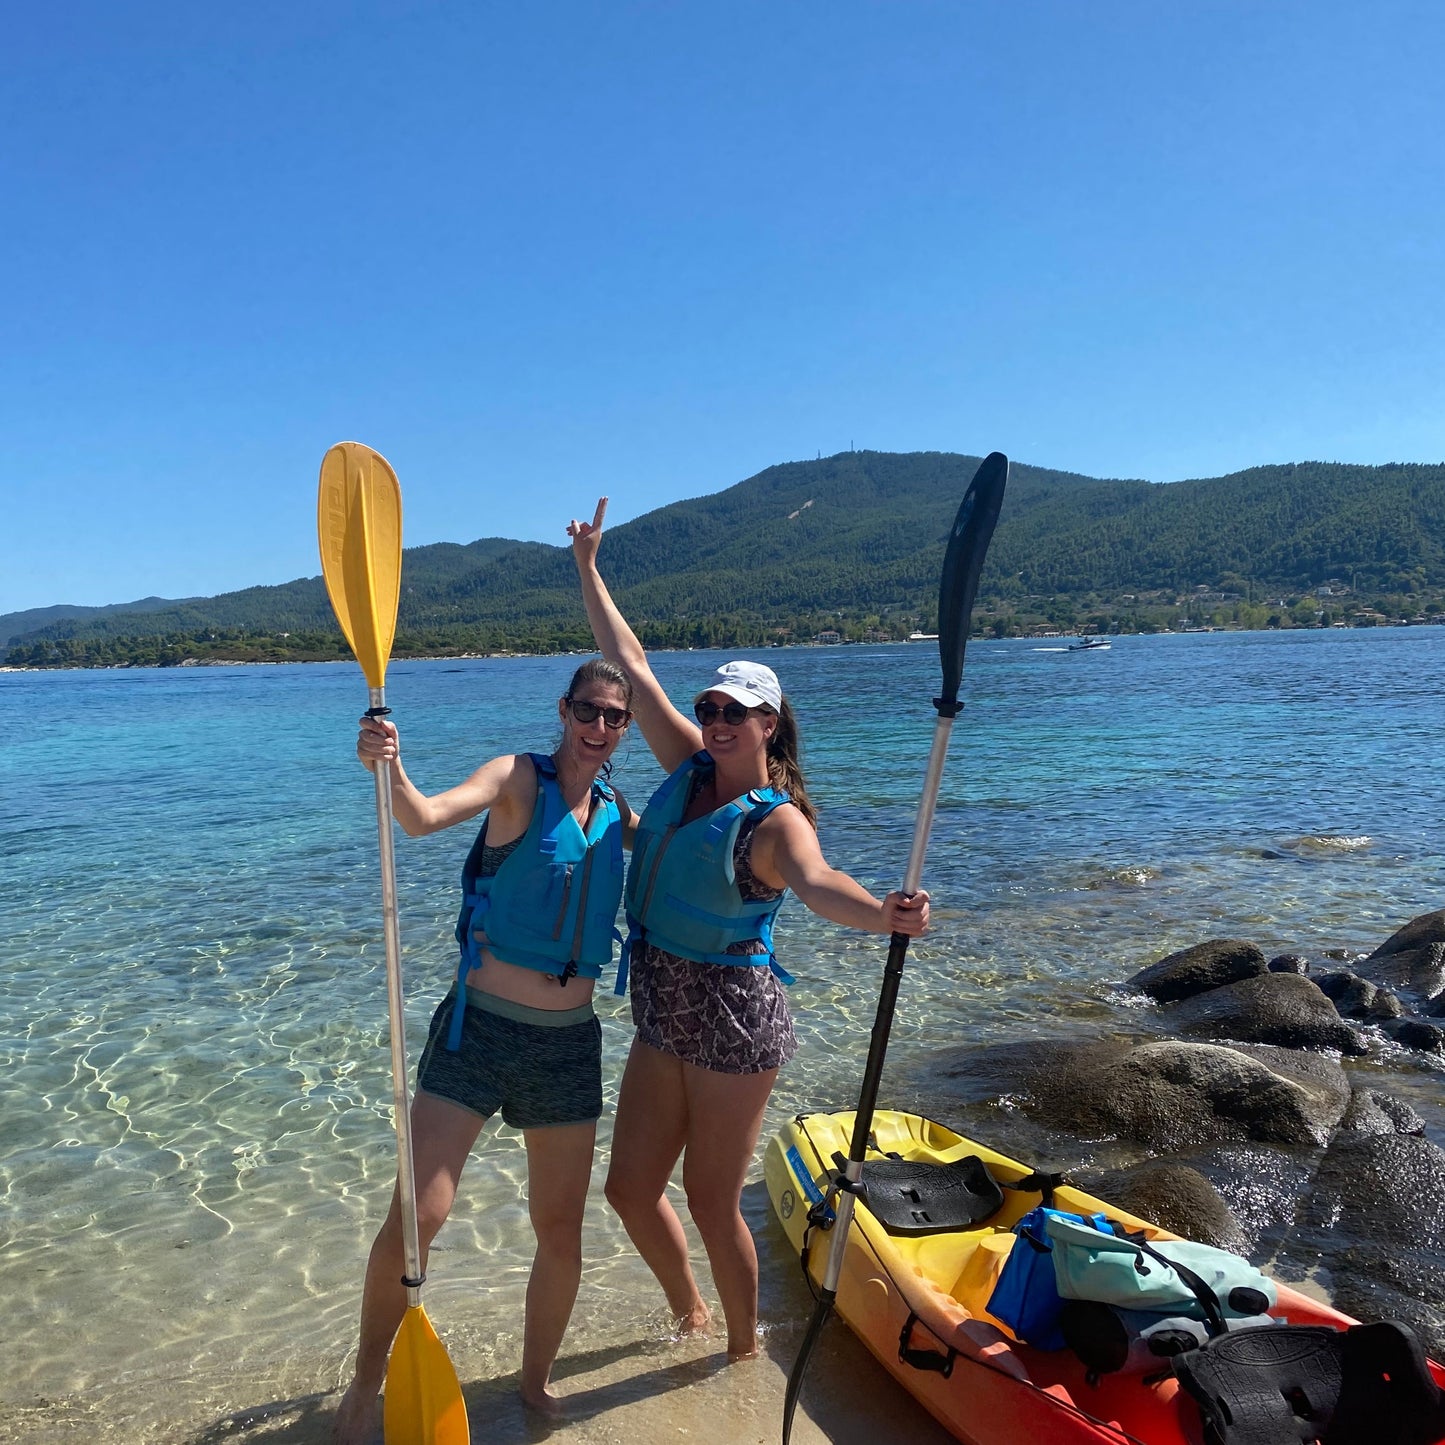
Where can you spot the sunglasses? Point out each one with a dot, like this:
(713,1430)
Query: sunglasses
(586,712)
(732,712)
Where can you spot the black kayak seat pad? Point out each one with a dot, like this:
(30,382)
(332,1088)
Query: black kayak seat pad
(911,1197)
(1368,1385)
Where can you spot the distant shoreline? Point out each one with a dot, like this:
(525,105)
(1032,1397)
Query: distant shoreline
(1060,637)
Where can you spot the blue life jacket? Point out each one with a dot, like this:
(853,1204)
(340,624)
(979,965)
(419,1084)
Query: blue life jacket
(552,905)
(682,894)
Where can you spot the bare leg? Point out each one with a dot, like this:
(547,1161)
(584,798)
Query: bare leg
(725,1115)
(648,1136)
(559,1167)
(442,1135)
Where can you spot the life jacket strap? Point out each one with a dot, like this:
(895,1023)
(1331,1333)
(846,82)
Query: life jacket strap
(765,937)
(459,1005)
(552,805)
(624,959)
(635,935)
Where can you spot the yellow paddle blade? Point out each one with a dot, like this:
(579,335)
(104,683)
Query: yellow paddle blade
(424,1404)
(358,521)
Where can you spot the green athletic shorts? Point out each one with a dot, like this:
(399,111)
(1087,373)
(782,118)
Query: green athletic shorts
(537,1066)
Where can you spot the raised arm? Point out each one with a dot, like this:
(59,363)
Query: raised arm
(672,736)
(506,785)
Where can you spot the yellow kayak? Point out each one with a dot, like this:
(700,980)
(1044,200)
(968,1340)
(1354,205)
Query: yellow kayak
(919,1300)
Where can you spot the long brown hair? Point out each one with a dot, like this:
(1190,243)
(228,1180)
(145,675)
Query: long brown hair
(784,771)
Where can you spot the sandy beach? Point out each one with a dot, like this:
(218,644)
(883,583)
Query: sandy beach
(621,1387)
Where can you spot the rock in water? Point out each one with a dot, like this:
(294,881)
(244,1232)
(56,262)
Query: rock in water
(1413,1034)
(1372,1111)
(1423,929)
(1201,968)
(1289,963)
(1174,1195)
(1166,1096)
(1274,1008)
(1418,973)
(1412,959)
(1376,1213)
(1357,998)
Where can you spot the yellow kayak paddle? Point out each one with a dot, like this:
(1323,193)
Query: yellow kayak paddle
(358,521)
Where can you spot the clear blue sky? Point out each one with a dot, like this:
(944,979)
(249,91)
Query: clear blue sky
(533,252)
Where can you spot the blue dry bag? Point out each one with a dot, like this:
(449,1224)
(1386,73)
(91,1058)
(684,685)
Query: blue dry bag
(1026,1297)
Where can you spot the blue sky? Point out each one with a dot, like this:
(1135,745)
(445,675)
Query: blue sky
(537,252)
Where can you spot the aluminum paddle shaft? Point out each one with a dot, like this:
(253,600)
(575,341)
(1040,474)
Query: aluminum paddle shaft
(962,566)
(400,1095)
(358,526)
(847,1186)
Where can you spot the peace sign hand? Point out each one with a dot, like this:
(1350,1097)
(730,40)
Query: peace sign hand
(587,536)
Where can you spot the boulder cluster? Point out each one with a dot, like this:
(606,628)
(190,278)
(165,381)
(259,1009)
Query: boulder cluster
(1227,989)
(1251,1114)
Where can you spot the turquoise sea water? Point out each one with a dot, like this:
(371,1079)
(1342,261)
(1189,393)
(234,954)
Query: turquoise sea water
(194,1099)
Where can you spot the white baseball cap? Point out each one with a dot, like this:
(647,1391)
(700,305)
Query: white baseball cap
(748,682)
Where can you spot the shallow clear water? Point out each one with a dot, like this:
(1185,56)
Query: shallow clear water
(195,1146)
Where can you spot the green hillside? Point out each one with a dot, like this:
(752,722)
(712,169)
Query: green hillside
(855,541)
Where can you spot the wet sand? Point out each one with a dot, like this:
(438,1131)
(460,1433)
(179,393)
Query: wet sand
(624,1393)
(622,1396)
(623,1381)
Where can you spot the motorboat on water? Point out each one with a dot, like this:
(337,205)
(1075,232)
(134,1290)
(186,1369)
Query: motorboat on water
(1090,644)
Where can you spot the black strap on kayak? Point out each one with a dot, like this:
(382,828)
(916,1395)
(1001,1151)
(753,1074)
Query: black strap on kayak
(924,1359)
(1040,1183)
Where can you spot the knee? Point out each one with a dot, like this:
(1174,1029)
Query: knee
(430,1216)
(558,1231)
(714,1214)
(429,1221)
(625,1198)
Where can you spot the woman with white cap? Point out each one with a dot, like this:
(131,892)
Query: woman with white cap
(721,841)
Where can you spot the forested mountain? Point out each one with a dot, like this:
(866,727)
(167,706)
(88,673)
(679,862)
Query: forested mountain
(860,536)
(17,624)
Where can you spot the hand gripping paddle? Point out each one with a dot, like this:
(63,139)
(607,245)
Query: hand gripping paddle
(962,564)
(358,521)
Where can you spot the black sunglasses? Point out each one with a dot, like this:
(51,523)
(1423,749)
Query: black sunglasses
(586,712)
(732,712)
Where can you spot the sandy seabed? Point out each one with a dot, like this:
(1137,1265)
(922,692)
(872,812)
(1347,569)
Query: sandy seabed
(625,1394)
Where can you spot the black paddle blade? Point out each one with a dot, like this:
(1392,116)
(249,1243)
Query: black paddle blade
(962,566)
(800,1365)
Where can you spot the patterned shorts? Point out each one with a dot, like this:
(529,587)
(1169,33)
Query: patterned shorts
(732,1019)
(536,1066)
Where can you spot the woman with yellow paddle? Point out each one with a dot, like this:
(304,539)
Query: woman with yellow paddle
(517,1032)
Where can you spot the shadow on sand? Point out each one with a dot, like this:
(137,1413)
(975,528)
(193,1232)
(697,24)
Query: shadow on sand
(307,1419)
(648,1389)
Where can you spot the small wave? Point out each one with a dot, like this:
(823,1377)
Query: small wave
(1136,876)
(1328,843)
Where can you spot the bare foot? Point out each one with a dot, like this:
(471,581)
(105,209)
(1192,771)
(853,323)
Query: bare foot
(694,1322)
(746,1348)
(358,1417)
(542,1400)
